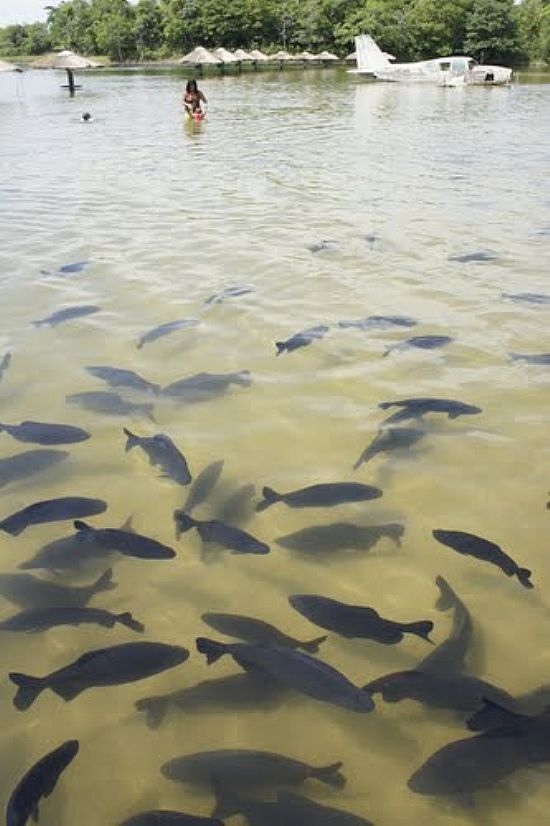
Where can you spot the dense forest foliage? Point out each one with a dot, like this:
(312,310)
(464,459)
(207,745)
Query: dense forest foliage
(490,30)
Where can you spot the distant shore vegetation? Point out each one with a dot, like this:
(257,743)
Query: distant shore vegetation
(493,31)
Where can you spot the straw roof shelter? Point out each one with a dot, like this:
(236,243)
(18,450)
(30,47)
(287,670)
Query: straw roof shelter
(66,60)
(305,56)
(282,55)
(200,57)
(8,67)
(224,55)
(243,56)
(352,56)
(326,56)
(256,54)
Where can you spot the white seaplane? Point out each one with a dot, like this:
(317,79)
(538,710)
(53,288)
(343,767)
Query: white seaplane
(442,71)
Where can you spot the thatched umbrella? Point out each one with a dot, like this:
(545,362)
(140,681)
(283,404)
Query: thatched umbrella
(282,56)
(352,56)
(9,67)
(224,55)
(246,57)
(256,55)
(69,61)
(200,57)
(305,56)
(326,56)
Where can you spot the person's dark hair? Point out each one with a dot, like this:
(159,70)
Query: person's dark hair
(191,86)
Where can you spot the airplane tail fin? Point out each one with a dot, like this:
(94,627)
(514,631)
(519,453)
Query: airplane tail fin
(370,58)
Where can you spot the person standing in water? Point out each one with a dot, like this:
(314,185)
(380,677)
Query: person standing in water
(193,99)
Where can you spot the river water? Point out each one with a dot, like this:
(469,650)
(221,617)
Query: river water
(328,198)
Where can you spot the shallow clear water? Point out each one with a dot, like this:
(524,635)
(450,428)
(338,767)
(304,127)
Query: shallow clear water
(398,180)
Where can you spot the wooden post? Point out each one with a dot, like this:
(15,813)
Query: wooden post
(70,78)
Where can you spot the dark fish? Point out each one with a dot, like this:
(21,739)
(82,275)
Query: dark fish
(237,508)
(302,339)
(166,817)
(4,364)
(116,665)
(388,440)
(162,451)
(38,782)
(52,510)
(467,766)
(257,631)
(31,593)
(165,329)
(40,433)
(202,486)
(70,552)
(528,298)
(230,771)
(67,315)
(42,620)
(416,408)
(292,809)
(320,496)
(491,715)
(78,266)
(117,377)
(125,542)
(420,342)
(233,539)
(356,621)
(471,545)
(536,358)
(237,692)
(28,463)
(204,386)
(339,536)
(474,257)
(448,657)
(111,403)
(452,691)
(294,669)
(379,322)
(231,292)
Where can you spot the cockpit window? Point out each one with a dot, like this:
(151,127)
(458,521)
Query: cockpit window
(471,64)
(445,65)
(460,66)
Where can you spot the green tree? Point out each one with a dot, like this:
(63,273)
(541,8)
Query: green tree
(113,28)
(148,26)
(438,26)
(69,25)
(492,32)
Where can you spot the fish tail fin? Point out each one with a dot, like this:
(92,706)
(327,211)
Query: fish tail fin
(312,646)
(184,522)
(212,649)
(132,439)
(155,708)
(28,689)
(127,619)
(270,497)
(104,582)
(524,576)
(422,629)
(331,775)
(280,345)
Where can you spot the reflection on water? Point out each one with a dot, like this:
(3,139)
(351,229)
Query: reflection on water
(324,198)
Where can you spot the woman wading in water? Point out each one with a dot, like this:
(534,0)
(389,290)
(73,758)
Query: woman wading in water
(193,99)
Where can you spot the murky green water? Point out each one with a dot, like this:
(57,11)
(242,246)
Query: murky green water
(398,179)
